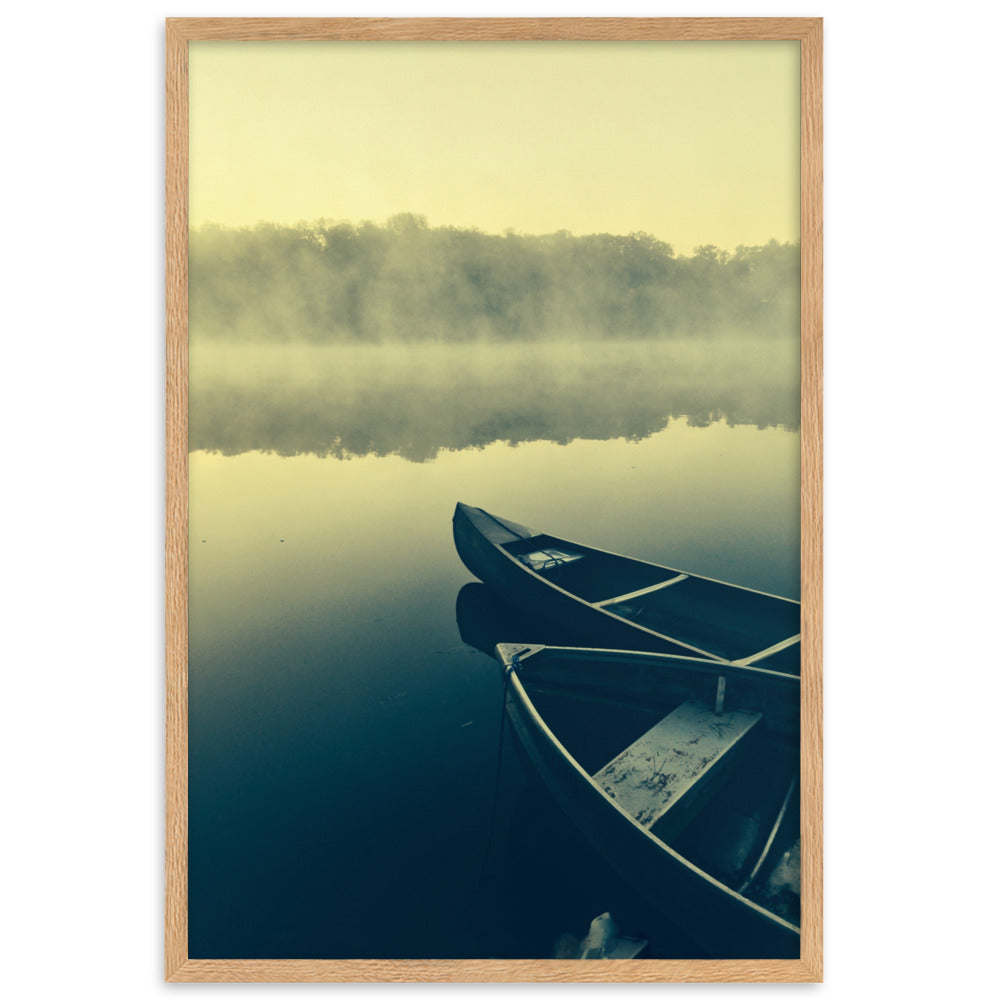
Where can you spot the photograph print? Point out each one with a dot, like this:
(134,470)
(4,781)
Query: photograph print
(494,480)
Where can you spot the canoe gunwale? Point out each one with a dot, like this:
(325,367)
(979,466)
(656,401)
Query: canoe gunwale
(730,668)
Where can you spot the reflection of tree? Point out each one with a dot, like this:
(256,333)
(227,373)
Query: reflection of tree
(327,283)
(417,400)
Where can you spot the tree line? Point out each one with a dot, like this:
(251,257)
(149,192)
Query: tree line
(338,282)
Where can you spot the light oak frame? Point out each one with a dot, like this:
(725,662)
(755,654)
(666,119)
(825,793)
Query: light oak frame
(179,31)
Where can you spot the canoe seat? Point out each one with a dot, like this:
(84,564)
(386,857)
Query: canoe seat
(548,558)
(664,777)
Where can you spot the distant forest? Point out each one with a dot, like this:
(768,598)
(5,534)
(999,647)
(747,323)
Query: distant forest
(342,283)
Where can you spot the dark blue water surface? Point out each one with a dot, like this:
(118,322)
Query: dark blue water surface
(345,717)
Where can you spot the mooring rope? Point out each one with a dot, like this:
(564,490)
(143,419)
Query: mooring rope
(515,664)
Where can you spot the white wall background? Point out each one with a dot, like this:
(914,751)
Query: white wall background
(911,661)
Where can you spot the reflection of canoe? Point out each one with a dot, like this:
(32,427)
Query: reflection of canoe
(484,619)
(618,602)
(682,773)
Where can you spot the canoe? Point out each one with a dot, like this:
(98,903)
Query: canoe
(682,774)
(607,600)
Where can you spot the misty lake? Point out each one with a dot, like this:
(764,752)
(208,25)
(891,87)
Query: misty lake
(344,713)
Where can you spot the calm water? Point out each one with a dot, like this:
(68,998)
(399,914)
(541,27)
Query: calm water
(344,719)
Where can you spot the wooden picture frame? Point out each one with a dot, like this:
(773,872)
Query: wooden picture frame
(179,32)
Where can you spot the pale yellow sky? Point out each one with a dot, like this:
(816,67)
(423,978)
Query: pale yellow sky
(694,142)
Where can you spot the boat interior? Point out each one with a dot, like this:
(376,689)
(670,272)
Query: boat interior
(705,760)
(718,618)
(589,574)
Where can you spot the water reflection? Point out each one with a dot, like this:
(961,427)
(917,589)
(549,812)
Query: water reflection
(417,400)
(484,619)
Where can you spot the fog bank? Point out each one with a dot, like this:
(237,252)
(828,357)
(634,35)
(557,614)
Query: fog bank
(343,283)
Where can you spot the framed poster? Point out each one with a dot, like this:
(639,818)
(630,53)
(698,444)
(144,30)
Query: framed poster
(430,281)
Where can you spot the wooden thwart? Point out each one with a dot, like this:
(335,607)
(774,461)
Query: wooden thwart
(656,778)
(632,595)
(770,651)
